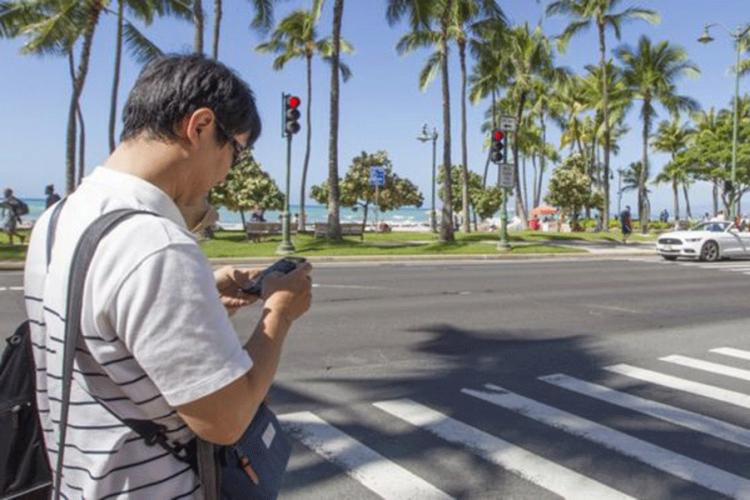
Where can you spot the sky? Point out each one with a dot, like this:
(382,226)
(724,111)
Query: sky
(382,107)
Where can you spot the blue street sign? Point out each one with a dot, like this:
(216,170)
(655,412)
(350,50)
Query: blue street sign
(377,176)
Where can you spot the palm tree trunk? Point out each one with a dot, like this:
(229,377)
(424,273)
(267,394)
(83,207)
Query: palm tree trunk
(308,138)
(116,77)
(520,206)
(715,193)
(79,80)
(446,222)
(334,225)
(81,145)
(464,147)
(217,29)
(525,184)
(643,178)
(534,183)
(542,158)
(605,103)
(676,193)
(198,24)
(687,201)
(489,151)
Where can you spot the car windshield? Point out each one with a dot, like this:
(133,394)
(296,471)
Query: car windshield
(714,227)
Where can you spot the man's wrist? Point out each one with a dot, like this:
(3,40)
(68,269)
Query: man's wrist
(279,316)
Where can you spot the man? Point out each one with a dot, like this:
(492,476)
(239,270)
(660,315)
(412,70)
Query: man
(157,341)
(52,197)
(11,215)
(626,224)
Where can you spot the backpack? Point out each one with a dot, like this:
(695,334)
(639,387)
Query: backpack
(21,208)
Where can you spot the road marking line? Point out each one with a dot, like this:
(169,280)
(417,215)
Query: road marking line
(673,463)
(371,469)
(696,421)
(735,269)
(614,308)
(358,287)
(11,288)
(707,366)
(532,467)
(705,390)
(730,351)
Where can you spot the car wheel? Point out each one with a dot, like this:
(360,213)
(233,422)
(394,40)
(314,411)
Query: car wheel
(669,257)
(710,251)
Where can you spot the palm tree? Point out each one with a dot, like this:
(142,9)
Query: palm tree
(650,73)
(469,18)
(140,47)
(262,21)
(672,137)
(198,21)
(334,195)
(707,127)
(600,13)
(423,15)
(296,38)
(52,28)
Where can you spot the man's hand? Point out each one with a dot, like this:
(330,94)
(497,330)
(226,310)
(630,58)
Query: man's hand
(229,282)
(289,294)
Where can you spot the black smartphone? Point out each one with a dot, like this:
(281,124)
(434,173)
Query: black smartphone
(284,266)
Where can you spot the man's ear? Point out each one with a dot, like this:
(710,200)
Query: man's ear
(199,125)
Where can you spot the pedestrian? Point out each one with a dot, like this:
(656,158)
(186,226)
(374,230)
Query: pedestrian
(52,197)
(258,214)
(719,217)
(12,209)
(626,224)
(156,344)
(706,217)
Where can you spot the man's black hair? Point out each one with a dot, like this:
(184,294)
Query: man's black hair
(172,87)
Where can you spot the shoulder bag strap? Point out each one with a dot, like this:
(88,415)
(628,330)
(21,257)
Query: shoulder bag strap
(82,257)
(52,228)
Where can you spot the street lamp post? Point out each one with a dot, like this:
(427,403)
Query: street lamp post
(737,36)
(426,136)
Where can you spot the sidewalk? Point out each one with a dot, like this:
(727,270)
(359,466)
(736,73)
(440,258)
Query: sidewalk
(600,250)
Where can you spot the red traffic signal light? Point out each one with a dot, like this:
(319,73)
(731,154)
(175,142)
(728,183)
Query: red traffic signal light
(497,135)
(293,101)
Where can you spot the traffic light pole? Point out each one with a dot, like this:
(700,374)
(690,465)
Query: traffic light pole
(504,244)
(286,246)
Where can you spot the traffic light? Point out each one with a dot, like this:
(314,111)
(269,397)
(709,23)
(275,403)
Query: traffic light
(291,114)
(499,146)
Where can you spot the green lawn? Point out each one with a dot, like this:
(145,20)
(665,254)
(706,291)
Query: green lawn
(233,244)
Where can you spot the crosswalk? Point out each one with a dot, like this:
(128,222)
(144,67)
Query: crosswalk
(731,266)
(671,402)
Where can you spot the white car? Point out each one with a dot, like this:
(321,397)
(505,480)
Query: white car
(709,241)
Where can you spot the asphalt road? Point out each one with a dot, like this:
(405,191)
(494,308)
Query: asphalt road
(423,380)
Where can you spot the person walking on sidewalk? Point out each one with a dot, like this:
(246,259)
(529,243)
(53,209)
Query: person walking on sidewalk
(12,209)
(52,197)
(156,340)
(626,224)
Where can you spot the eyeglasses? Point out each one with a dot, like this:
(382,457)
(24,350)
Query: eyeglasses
(239,152)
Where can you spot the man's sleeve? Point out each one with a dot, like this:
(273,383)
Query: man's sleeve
(169,315)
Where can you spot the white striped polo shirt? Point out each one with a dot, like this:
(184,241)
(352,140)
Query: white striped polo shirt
(155,336)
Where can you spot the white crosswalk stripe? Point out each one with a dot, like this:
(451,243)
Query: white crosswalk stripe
(538,470)
(371,469)
(701,423)
(673,463)
(730,351)
(697,388)
(717,368)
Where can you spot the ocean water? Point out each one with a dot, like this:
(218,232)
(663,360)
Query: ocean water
(404,217)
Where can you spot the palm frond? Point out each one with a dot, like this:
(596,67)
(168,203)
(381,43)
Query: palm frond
(429,71)
(139,46)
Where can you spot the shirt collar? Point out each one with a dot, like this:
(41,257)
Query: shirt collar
(146,195)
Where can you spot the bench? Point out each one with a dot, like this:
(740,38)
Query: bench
(257,230)
(347,229)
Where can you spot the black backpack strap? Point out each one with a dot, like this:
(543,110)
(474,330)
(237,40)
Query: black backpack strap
(52,228)
(82,257)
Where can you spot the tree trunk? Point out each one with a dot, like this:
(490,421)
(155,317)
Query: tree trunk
(364,218)
(81,145)
(446,223)
(535,181)
(542,158)
(525,186)
(244,224)
(464,147)
(520,206)
(308,138)
(116,76)
(715,193)
(676,193)
(687,201)
(334,225)
(489,150)
(80,79)
(217,29)
(643,178)
(198,24)
(605,103)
